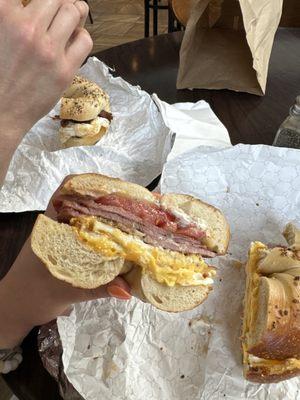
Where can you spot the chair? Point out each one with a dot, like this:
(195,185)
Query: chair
(155,6)
(290,12)
(181,10)
(173,23)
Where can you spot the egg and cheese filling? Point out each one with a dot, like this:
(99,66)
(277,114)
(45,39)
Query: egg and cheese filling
(274,366)
(168,267)
(79,130)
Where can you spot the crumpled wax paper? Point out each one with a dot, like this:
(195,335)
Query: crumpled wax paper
(195,124)
(134,148)
(117,350)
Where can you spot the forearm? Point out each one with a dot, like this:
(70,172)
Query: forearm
(25,303)
(31,296)
(10,140)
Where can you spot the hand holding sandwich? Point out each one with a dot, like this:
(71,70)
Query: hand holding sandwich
(30,296)
(42,46)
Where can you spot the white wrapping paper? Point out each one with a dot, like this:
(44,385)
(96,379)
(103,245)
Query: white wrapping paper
(195,124)
(134,148)
(131,351)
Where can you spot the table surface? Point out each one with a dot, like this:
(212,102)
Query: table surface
(152,63)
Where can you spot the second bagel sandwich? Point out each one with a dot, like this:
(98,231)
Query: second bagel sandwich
(85,114)
(109,227)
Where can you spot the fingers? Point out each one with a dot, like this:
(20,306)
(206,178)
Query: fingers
(119,288)
(83,9)
(51,11)
(80,47)
(65,23)
(44,10)
(11,3)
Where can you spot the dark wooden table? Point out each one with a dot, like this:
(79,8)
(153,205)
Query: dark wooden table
(152,64)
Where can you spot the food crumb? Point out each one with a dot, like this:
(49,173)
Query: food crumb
(161,348)
(237,264)
(182,376)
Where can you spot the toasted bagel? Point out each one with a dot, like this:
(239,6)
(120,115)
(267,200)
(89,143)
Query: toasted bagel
(83,101)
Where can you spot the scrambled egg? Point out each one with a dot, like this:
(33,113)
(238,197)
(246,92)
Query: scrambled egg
(168,267)
(274,366)
(79,130)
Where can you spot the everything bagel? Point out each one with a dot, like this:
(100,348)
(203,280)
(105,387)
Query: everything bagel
(85,113)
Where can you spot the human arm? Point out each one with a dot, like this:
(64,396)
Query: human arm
(42,46)
(31,296)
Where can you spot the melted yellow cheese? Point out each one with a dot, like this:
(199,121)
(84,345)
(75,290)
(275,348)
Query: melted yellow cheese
(168,267)
(251,299)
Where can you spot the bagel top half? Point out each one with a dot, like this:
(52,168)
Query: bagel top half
(83,101)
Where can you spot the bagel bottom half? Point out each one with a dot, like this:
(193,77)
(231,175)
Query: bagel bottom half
(172,299)
(87,140)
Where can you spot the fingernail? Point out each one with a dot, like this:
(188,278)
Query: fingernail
(118,292)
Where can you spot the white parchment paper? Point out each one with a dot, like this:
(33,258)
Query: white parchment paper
(134,148)
(131,351)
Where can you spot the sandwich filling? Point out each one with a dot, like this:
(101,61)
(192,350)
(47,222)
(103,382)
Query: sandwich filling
(77,129)
(153,224)
(274,367)
(168,267)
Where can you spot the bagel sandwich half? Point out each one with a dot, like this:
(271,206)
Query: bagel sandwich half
(85,114)
(271,322)
(107,227)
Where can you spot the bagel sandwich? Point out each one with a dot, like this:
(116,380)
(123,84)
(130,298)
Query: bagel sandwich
(271,322)
(84,113)
(106,227)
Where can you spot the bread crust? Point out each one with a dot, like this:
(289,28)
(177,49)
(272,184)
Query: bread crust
(272,333)
(281,338)
(83,100)
(97,184)
(70,260)
(192,206)
(173,299)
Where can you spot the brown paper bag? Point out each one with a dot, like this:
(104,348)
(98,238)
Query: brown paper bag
(227,45)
